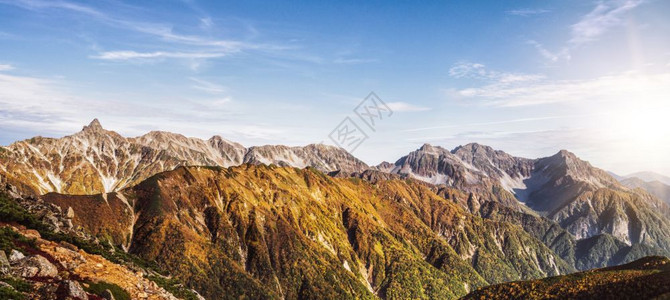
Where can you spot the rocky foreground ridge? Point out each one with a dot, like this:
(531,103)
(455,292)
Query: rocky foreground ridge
(43,256)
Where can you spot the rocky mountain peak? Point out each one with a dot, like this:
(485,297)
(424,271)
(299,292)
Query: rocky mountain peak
(323,147)
(93,126)
(385,166)
(573,165)
(473,147)
(565,154)
(427,147)
(163,136)
(218,139)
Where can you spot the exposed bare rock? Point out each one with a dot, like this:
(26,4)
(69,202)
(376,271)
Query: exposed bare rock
(70,213)
(4,263)
(559,179)
(584,200)
(35,265)
(72,290)
(465,166)
(321,157)
(15,256)
(78,266)
(96,160)
(472,168)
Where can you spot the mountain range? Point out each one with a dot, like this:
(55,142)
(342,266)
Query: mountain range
(316,222)
(655,187)
(96,160)
(649,177)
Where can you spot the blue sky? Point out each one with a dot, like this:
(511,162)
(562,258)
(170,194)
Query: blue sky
(527,77)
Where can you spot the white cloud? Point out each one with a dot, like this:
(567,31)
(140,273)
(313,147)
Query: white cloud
(38,5)
(199,47)
(553,57)
(352,61)
(6,67)
(29,103)
(405,107)
(481,72)
(603,17)
(206,23)
(130,55)
(526,12)
(468,70)
(503,122)
(207,86)
(627,86)
(47,107)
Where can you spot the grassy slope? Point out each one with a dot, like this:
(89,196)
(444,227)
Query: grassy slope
(644,279)
(266,232)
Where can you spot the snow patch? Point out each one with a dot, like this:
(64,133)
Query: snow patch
(324,242)
(433,179)
(108,182)
(55,181)
(346,265)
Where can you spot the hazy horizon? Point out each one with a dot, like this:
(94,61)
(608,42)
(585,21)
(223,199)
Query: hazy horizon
(374,163)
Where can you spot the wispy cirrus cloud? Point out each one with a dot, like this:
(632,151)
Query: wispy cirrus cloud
(504,89)
(605,16)
(525,12)
(195,46)
(503,122)
(64,5)
(207,86)
(131,55)
(206,23)
(47,106)
(353,61)
(6,67)
(405,107)
(549,55)
(481,72)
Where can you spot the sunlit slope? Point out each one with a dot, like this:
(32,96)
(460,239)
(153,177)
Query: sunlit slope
(286,232)
(646,278)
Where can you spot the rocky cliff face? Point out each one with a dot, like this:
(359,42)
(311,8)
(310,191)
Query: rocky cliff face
(53,270)
(43,256)
(557,180)
(321,157)
(587,202)
(245,229)
(472,168)
(584,200)
(96,160)
(465,166)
